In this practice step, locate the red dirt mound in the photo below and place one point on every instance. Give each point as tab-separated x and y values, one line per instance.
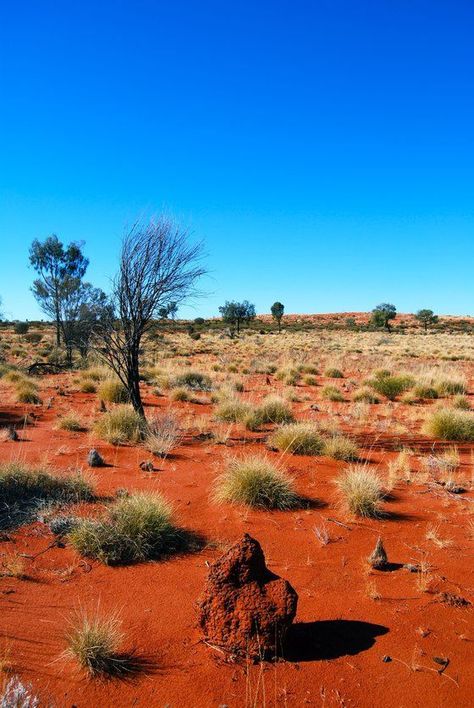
246	609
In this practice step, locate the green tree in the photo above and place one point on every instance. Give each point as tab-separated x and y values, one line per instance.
427	318
60	271
234	313
277	311
383	314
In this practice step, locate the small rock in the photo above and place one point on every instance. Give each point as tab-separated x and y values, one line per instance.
146	466
94	459
102	407
11	433
386	659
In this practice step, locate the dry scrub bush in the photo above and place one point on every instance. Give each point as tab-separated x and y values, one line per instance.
27	391
362	491
256	482
333	373
163	434
22	484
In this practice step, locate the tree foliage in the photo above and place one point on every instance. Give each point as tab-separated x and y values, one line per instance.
278	310
60	270
234	313
383	314
427	318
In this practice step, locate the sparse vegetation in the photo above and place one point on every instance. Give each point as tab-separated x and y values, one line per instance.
450	424
120	425
136	528
362	491
256	482
94	642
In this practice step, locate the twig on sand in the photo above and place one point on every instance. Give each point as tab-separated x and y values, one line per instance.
339	523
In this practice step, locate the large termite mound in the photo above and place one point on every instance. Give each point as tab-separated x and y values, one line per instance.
246	609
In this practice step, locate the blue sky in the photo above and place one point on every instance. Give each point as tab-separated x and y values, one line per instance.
322	149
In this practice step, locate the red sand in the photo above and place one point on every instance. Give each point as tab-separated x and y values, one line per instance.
331	661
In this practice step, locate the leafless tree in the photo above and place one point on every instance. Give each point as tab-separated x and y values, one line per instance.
158	265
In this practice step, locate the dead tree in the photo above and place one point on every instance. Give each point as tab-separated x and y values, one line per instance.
158	265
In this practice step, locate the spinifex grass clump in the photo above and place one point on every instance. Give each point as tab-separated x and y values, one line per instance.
256	482
332	393
366	395
120	425
232	410
27	391
23	488
340	448
94	642
194	380
272	409
333	373
450	424
298	438
71	421
113	391
362	491
136	528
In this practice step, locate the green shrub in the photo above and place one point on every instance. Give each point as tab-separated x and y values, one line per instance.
298	438
425	391
392	386
255	482
121	425
450	424
272	409
136	528
113	391
362	491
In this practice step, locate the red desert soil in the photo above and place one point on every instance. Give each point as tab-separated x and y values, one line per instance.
338	648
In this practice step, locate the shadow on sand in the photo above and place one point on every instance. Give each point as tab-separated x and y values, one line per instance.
330	639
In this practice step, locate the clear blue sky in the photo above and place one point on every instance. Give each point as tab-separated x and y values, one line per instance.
323	149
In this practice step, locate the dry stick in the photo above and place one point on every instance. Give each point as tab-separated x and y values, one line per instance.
35	555
339	523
